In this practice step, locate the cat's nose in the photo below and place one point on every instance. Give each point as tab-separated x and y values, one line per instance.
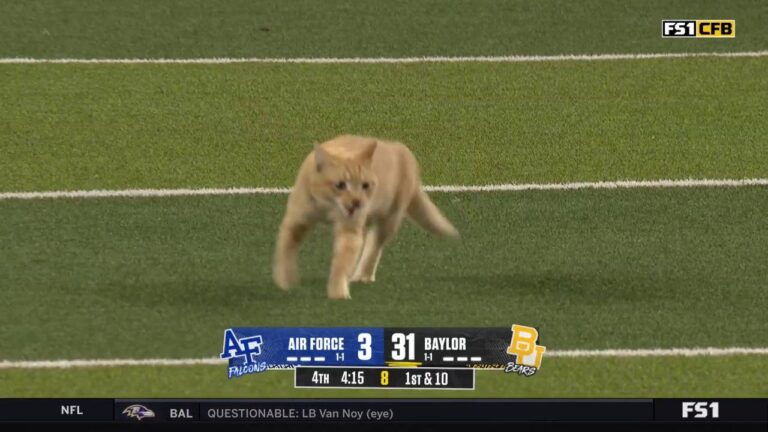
356	203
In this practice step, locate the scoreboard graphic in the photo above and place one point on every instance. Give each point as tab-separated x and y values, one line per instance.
373	357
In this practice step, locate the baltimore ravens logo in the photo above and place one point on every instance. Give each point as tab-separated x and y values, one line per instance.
138	411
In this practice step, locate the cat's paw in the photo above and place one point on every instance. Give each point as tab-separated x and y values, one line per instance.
363	278
340	296
338	293
285	276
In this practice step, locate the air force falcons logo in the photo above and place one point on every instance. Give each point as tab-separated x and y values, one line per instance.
242	354
138	412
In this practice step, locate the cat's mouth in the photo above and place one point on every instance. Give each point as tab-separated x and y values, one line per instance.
350	210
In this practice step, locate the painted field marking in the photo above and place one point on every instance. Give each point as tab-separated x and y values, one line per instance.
386	60
617	353
508	187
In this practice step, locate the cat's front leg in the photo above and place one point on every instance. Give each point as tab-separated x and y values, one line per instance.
285	271
346	250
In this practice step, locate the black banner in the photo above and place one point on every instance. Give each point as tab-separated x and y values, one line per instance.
385	410
448	346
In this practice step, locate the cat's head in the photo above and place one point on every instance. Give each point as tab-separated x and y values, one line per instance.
346	183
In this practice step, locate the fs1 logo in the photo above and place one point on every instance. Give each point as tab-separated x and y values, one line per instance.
698	28
245	349
701	410
527	353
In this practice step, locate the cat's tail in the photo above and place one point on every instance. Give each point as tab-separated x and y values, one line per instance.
425	213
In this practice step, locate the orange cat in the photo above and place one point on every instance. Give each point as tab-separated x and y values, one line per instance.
356	183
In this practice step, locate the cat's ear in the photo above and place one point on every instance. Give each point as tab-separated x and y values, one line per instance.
366	156
322	158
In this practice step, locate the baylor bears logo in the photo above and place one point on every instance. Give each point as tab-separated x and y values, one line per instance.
526	351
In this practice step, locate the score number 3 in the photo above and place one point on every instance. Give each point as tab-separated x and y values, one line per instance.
365	352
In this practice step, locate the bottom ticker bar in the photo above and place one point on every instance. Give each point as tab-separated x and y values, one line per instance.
646	411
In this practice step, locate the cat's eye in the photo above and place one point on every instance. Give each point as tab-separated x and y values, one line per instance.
341	185
366	185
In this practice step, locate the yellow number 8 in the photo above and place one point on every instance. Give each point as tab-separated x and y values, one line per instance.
384	377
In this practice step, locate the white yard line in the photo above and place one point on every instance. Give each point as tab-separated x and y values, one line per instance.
659	352
620	184
508	187
381	60
141	193
98	363
618	353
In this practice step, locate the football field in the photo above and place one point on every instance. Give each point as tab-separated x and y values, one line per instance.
140	198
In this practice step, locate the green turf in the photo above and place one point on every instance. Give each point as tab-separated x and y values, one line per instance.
145	278
148	278
341	28
618	377
96	126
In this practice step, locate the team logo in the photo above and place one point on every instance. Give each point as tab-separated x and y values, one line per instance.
698	28
524	346
138	412
242	354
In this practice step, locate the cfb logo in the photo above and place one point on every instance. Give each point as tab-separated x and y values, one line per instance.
698	28
701	410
